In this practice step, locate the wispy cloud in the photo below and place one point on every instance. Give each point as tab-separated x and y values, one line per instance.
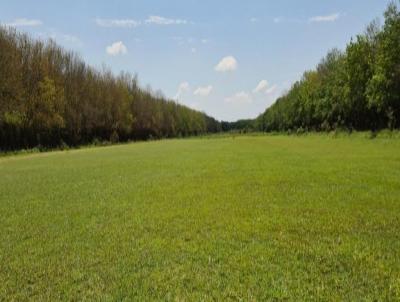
158	20
262	86
131	23
194	106
316	19
117	48
203	91
327	18
126	23
226	64
271	90
24	22
239	98
60	37
182	89
278	20
68	38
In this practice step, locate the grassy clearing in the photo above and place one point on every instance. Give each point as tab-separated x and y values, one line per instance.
251	218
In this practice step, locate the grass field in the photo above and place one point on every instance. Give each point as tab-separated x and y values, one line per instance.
245	218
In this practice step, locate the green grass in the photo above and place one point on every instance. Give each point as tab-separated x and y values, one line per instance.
250	218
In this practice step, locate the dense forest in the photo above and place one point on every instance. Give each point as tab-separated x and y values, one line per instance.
50	98
358	88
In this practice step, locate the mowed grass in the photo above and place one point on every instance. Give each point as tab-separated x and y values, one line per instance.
245	218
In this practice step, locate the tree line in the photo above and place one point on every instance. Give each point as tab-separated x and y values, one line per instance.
49	97
358	88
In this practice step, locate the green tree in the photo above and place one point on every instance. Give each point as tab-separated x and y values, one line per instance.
384	88
360	62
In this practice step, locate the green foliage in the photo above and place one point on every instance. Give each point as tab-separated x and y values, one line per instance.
384	87
240	125
260	218
357	89
50	97
15	119
359	68
47	108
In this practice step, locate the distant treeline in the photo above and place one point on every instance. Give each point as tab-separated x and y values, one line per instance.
358	88
49	97
240	125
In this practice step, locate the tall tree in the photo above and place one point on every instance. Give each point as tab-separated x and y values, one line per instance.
384	87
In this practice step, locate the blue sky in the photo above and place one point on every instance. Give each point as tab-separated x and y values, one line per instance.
230	59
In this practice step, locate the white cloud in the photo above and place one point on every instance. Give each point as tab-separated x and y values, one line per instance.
24	22
204	41
116	48
328	18
239	98
158	20
203	91
253	20
183	87
228	63
194	50
59	37
271	90
127	23
262	86
278	20
130	23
